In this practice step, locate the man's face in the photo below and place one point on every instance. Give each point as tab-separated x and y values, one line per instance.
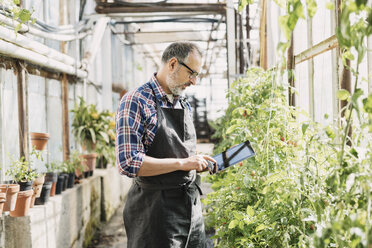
179	79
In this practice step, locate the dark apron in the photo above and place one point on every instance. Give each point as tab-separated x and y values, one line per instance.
165	210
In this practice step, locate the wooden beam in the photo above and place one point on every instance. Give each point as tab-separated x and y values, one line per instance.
207	8
317	49
64	86
263	36
22	111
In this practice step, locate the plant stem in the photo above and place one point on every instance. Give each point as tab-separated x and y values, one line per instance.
349	118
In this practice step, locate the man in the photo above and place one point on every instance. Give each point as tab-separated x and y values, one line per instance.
155	144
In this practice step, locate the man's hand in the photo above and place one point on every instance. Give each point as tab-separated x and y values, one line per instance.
196	162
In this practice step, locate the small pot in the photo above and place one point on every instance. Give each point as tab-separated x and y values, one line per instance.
60	182
24	186
45	193
23	203
65	182
89	162
11	191
38	185
2	202
52	177
39	140
71	179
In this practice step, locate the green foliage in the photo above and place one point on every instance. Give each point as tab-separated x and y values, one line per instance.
54	166
74	163
21	170
294	192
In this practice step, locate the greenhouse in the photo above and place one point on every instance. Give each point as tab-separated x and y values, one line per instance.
174	123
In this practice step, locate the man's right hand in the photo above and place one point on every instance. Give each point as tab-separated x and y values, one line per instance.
196	162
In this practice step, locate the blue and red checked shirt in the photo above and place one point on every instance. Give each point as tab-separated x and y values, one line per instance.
136	124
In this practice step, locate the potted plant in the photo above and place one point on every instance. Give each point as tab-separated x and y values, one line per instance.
106	147
52	176
71	166
88	127
22	173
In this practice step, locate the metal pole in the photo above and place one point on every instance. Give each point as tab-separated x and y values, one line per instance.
369	58
335	69
310	67
290	69
230	30
248	30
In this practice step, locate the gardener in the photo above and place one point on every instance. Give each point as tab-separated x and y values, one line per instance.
155	144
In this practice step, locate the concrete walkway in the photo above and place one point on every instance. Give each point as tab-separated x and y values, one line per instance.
112	234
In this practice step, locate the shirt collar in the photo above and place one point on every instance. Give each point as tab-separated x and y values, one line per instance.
159	91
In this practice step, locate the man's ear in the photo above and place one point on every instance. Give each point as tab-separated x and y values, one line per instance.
172	64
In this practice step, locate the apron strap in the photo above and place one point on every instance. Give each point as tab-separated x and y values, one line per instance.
186	186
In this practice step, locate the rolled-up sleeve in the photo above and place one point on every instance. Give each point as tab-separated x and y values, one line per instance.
129	130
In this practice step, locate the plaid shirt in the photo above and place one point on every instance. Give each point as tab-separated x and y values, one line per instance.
136	125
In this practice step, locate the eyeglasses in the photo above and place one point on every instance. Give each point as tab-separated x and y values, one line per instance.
193	74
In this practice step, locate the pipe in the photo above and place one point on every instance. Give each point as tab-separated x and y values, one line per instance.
15	51
24	28
25	42
98	33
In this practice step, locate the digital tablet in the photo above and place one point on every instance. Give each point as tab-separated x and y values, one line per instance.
231	156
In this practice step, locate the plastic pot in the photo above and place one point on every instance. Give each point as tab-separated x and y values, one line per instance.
52	177
39	140
24	186
23	203
71	179
65	181
45	193
11	191
60	182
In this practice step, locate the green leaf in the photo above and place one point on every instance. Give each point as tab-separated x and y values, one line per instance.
93	134
343	94
24	15
250	211
311	7
105	136
231	129
283	23
304	128
233	224
260	227
367	104
16	2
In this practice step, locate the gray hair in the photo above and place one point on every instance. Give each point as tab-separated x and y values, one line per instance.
180	51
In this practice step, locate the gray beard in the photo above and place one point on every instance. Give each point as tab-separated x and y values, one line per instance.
173	87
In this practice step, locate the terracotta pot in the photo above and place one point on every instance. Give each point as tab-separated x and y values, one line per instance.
32	202
2	201
39	140
88	145
11	191
38	185
89	162
23	203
